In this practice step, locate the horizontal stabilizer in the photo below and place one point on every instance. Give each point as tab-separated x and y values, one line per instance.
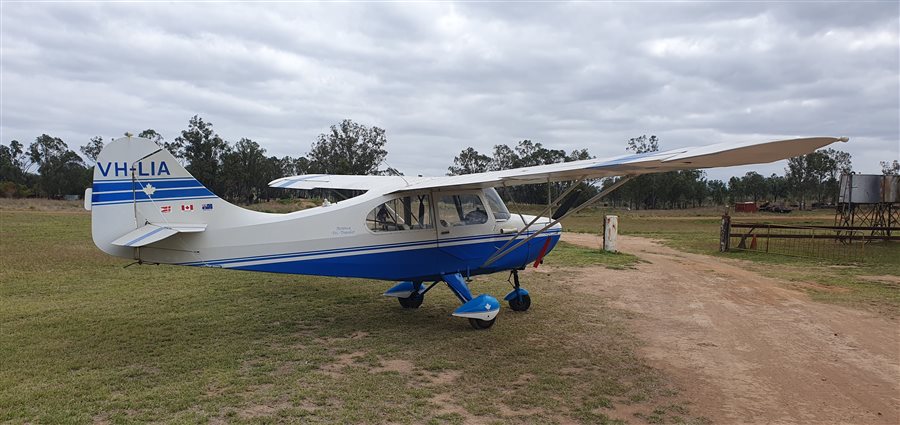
150	233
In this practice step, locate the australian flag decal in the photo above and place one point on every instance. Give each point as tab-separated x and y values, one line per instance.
207	207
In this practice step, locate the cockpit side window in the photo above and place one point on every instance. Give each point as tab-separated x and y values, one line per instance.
404	213
496	203
461	210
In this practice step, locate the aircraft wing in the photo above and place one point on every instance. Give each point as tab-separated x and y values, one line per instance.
711	156
719	155
149	233
333	181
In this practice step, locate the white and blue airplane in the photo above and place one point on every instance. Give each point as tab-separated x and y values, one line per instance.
418	231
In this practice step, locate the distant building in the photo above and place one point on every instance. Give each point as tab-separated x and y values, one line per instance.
745	207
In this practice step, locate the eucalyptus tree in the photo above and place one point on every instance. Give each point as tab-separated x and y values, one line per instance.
349	148
202	150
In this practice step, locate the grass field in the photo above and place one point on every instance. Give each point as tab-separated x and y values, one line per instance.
86	340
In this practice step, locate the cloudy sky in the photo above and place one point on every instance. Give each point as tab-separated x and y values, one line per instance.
440	77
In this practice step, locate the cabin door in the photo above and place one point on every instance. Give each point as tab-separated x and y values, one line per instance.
463	226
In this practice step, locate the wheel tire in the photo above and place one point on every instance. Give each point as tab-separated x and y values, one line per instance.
413	301
520	303
479	324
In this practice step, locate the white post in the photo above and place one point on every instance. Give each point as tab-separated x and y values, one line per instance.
610	232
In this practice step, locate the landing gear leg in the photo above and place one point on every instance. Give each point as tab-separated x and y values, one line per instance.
481	310
518	298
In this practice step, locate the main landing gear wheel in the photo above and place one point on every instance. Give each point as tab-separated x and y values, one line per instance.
412	301
482	324
520	303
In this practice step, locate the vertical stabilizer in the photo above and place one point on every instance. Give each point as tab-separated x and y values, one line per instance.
136	183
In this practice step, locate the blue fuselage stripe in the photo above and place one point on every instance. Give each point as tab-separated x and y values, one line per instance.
418	264
337	251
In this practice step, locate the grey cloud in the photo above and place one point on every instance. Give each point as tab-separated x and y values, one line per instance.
441	77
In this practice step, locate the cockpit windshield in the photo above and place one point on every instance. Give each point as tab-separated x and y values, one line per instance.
497	205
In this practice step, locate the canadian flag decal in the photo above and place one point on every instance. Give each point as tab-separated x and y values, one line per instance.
189	207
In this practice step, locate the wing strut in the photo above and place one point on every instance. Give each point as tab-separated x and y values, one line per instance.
502	252
547	209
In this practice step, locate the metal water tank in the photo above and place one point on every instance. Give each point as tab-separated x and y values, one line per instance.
890	189
869	188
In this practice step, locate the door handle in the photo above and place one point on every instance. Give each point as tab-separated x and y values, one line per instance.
445	232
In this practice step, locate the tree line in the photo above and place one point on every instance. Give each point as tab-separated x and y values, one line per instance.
808	179
524	154
238	172
47	168
241	171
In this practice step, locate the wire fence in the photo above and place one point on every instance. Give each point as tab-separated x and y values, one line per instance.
833	243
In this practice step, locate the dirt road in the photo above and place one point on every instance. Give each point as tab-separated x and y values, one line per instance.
745	348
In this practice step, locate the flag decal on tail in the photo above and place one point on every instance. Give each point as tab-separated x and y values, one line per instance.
165	209
187	207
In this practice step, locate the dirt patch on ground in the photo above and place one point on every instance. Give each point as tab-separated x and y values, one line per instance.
396	365
333	340
745	348
262	410
446	377
341	361
447	406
